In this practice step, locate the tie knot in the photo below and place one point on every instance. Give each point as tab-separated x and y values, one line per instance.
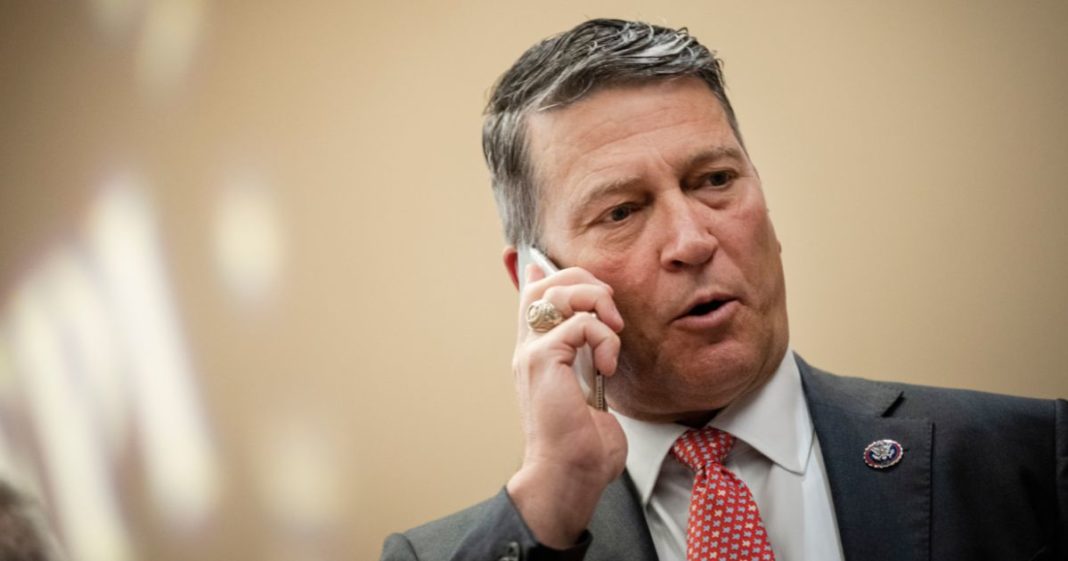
699	449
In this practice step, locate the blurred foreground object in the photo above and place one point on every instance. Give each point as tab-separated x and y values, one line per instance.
21	538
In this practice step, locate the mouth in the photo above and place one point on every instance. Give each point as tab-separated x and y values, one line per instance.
710	312
707	307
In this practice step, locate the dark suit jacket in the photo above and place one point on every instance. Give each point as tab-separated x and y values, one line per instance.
983	477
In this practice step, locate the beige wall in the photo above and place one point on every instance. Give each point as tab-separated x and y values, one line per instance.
913	155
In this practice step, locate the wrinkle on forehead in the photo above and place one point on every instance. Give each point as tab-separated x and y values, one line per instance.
554	137
561	139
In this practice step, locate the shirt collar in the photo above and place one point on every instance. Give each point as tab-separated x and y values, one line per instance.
773	420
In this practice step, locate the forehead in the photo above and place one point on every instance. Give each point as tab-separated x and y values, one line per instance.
626	131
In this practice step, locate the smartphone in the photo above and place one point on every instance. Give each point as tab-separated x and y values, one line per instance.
591	381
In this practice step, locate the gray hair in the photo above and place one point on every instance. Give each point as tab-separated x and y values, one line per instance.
563	69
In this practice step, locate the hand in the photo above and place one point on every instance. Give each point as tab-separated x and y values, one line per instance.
573	451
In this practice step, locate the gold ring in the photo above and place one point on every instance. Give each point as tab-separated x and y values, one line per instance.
543	316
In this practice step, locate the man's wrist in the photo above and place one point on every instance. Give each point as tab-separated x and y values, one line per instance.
554	504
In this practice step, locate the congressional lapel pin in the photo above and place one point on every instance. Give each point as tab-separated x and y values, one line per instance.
884	453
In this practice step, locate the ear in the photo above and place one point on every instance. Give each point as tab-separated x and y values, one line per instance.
511	264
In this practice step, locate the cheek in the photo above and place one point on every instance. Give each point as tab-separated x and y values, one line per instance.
641	337
632	287
754	248
765	269
753	235
610	266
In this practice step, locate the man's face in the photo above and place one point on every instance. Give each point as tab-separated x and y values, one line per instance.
648	188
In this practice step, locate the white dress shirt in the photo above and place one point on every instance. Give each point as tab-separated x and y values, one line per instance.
776	454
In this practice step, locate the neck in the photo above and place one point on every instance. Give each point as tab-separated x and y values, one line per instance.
697	420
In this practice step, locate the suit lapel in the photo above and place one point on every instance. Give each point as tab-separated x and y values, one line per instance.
618	526
881	514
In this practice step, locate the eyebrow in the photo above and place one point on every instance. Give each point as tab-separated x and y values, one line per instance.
620	184
714	154
603	190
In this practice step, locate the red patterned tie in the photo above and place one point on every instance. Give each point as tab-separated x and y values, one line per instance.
724	521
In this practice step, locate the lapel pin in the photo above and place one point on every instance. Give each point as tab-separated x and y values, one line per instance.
882	454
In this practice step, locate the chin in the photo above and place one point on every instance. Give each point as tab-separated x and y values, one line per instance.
707	382
714	382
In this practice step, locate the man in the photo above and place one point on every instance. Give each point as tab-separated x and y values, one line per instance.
615	150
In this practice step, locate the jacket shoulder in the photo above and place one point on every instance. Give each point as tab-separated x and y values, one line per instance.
948	405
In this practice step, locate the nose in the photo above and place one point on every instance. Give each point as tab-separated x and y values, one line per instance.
689	240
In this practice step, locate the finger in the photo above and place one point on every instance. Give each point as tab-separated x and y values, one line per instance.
576	275
585	298
605	344
569	276
585	329
531	275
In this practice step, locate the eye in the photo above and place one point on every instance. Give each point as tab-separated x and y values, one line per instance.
620	213
720	179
